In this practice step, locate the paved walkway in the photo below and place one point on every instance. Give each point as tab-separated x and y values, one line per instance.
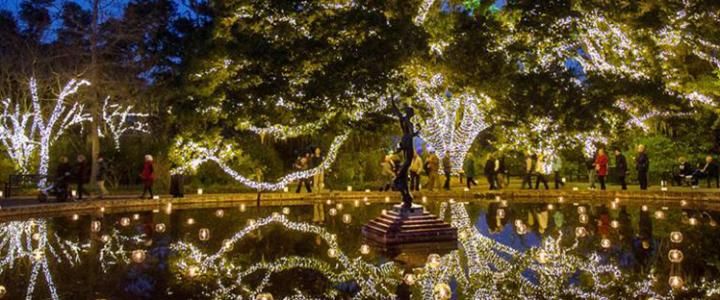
23	207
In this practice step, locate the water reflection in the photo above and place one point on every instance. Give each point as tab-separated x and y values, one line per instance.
506	250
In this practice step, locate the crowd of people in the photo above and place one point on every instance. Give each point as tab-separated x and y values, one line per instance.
78	173
538	170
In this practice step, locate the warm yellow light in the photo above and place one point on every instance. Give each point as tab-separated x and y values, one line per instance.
204	234
347	218
125	221
332	253
339	206
286	210
676	237
583	218
614	224
136	217
550	206
409	278
138	256
581	210
659	214
160	227
693	221
95	226
105	238
349	188
356	203
332	211
364	249
219	213
264	296
442	291
605	243
676	282
675	256
242	207
580	232
500	213
75	217
190	221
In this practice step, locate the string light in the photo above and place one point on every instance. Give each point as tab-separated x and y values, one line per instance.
119	120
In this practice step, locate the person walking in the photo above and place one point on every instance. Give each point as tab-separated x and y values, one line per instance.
302	164
540	172
319	177
557	165
432	167
101	177
591	171
489	171
388	173
529	168
81	173
621	167
469	169
416	168
710	171
447	169
642	165
601	165
62	179
148	176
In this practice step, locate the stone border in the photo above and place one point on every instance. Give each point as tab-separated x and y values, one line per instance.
696	200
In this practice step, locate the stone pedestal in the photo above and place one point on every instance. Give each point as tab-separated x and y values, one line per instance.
408	226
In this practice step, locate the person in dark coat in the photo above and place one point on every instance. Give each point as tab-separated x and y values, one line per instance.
621	167
62	179
469	168
81	172
642	165
489	171
447	168
684	170
148	176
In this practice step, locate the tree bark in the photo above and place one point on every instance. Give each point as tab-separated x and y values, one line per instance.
95	100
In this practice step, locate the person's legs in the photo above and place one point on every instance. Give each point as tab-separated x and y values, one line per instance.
500	180
545	182
468	180
300	183
308	187
591	178
602	182
431	181
447	181
622	182
101	188
642	177
537	181
490	181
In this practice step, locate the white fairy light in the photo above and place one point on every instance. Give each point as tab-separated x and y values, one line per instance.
441	128
220	155
119	120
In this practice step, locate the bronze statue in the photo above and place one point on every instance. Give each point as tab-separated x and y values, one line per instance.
406	146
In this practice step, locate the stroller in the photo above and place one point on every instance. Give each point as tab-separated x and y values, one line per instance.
59	189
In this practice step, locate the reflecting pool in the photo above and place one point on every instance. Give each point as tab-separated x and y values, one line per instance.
506	250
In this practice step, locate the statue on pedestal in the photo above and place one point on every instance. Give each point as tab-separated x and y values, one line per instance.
407	147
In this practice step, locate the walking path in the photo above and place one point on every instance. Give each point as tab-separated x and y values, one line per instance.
17	208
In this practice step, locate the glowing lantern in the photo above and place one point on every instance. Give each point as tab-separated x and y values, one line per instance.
550	206
433	260
156	197
168	208
349	188
286	189
339	206
328	202
95	226
190	221
561	199
204	234
160	227
683	202
466	189
364	249
138	256
581	209
75	217
693	221
583	218
105	238
356	203
286	210
367	190
383	212
497	198
542	256
580	232
219	213
614	224
659	214
332	211
424	199
500	213
644	208
462	235
676	282
38	254
125	221
102	209
613	205
675	256
347	218
676	237
136	217
522	229
605	243
242	207
199	191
